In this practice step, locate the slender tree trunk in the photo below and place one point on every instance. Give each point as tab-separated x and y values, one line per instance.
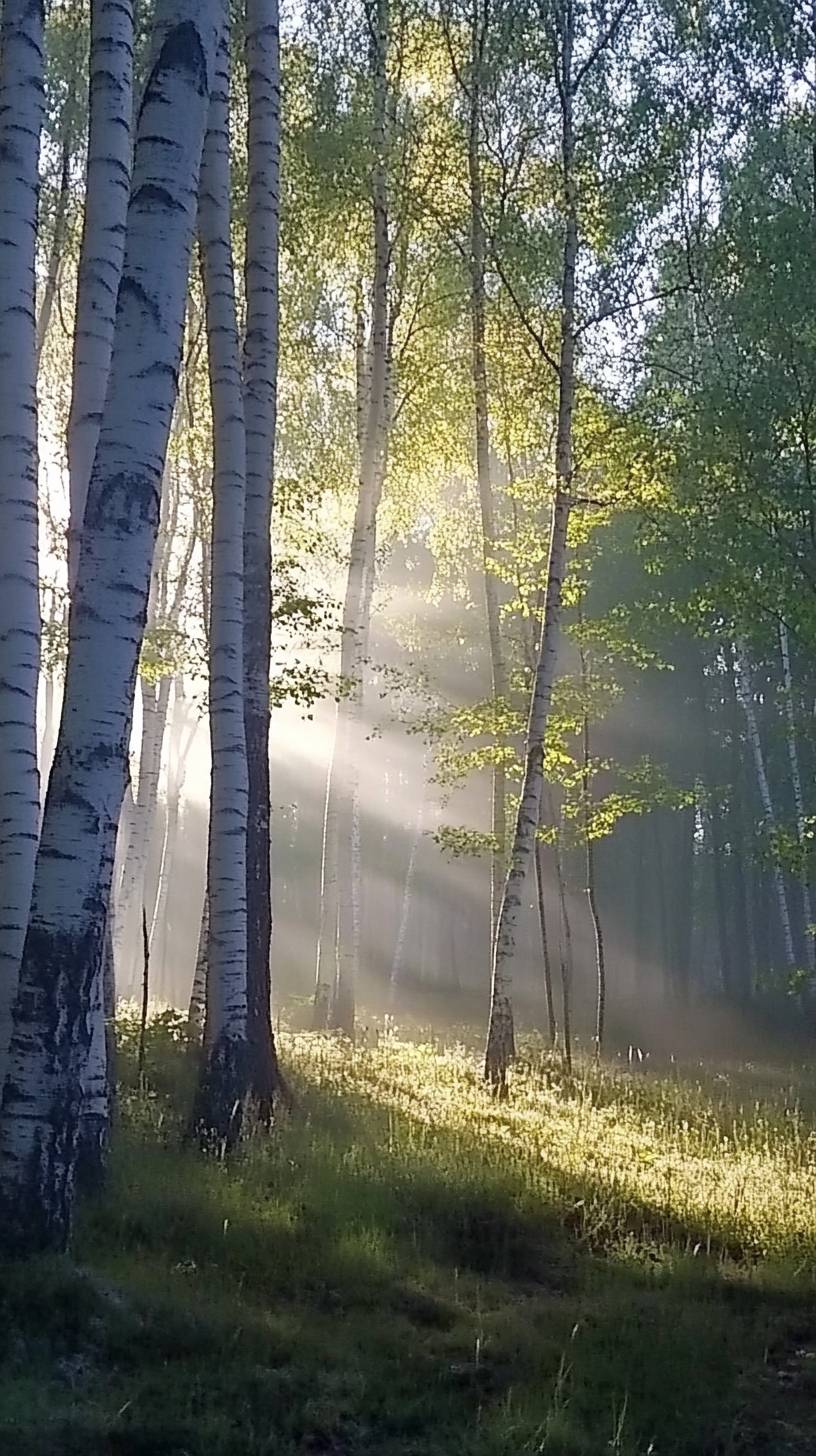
101	253
225	1069
798	796
260	406
66	934
155	705
348	744
196	1012
405	909
57	249
144	1004
589	852
742	678
566	956
21	117
498	671
545	945
500	1049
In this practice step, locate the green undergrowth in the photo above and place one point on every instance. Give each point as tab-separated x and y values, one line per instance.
614	1264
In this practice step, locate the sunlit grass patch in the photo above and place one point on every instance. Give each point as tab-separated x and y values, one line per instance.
408	1268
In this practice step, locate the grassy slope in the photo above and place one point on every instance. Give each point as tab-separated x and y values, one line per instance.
407	1267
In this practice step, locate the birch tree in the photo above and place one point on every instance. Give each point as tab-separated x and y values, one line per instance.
101	253
260	365
225	1069
745	693
340	937
21	119
66	933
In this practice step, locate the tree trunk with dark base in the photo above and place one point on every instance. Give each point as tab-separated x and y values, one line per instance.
67	926
260	407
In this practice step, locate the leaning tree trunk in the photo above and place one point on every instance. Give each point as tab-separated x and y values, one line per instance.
798	796
742	677
500	1049
260	410
498	670
64	944
225	1067
101	252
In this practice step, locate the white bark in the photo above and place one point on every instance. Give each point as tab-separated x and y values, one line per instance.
742	674
107	188
155	704
500	1048
407	896
21	115
348	744
64	945
498	669
223	1085
260	415
799	798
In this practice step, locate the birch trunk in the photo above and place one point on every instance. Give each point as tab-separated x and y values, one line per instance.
260	412
57	250
798	796
225	1069
545	944
498	671
742	678
197	1009
21	117
362	558
407	896
64	944
500	1049
589	861
155	705
101	253
566	956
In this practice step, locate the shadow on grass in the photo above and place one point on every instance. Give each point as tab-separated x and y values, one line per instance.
360	1285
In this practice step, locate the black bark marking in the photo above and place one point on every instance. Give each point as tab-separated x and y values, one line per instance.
181	51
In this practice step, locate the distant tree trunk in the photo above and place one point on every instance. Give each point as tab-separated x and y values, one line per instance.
740	850
144	1001
798	797
498	671
155	705
56	252
742	678
405	910
589	853
545	946
225	1069
21	117
361	571
260	411
566	957
500	1049
196	1012
66	934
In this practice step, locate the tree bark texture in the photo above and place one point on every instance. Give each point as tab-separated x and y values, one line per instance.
66	932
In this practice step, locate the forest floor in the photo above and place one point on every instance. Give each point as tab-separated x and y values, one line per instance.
619	1263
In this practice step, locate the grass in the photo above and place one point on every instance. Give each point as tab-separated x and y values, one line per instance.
407	1268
